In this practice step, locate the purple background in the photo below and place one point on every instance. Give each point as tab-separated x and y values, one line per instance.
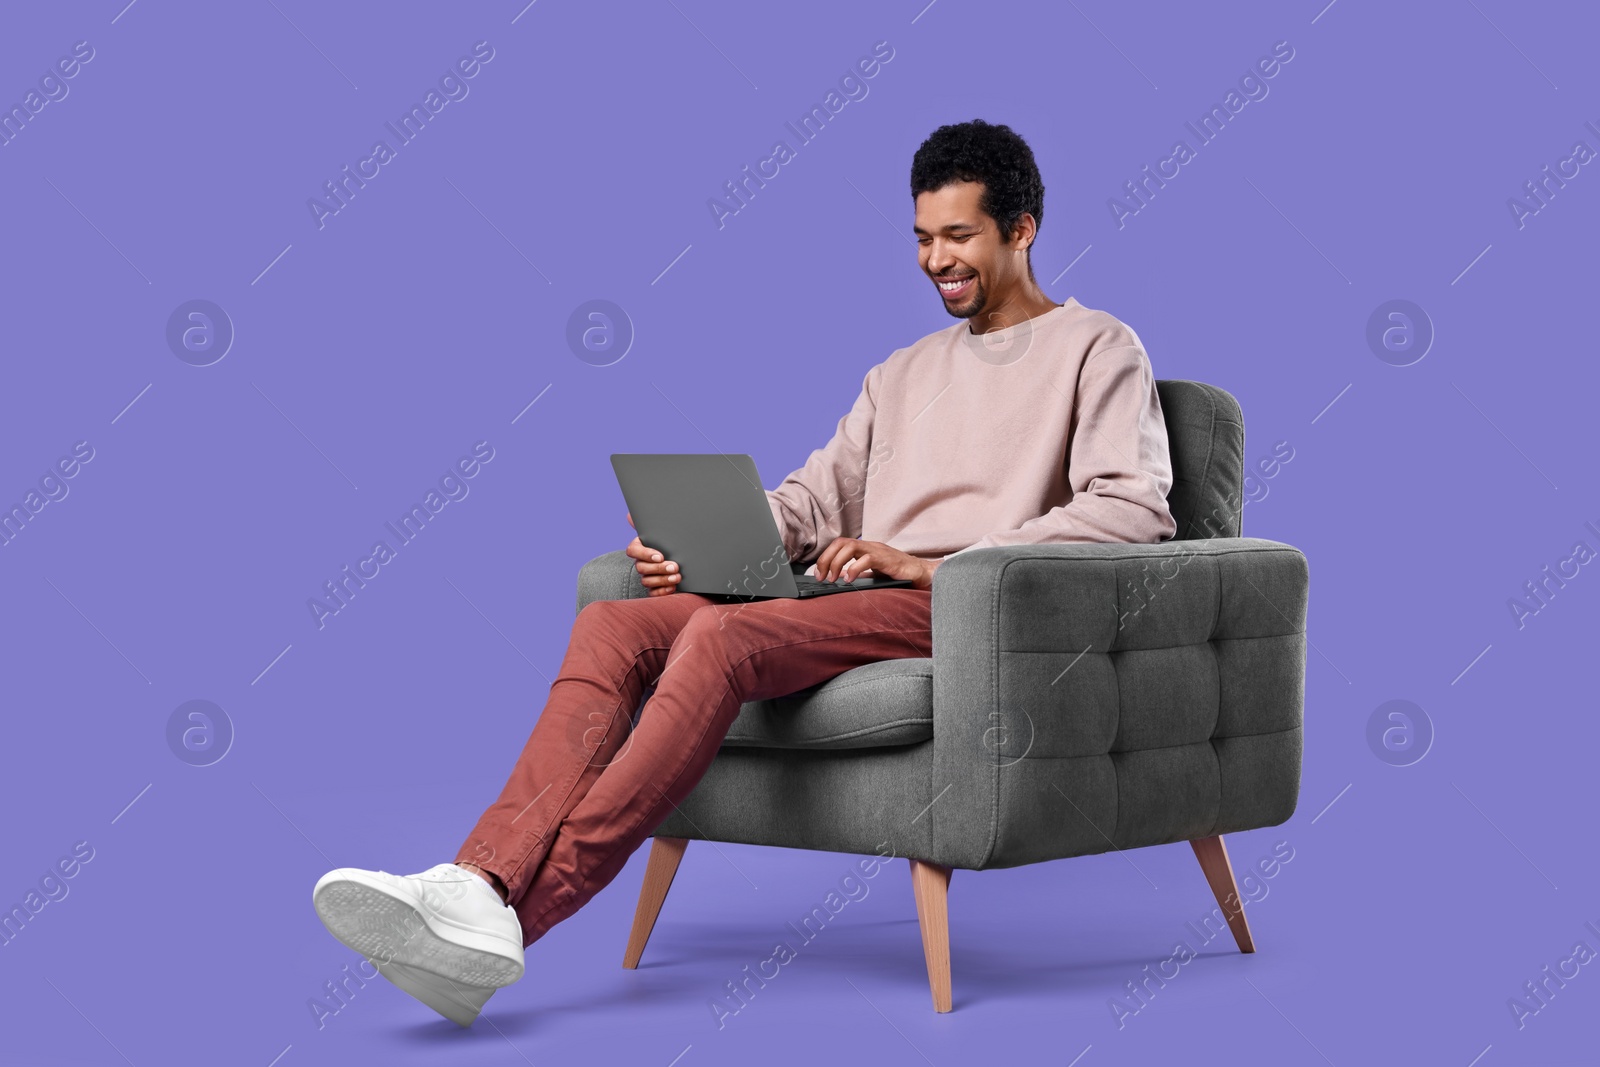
432	310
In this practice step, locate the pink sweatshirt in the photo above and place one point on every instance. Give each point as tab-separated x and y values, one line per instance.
1049	430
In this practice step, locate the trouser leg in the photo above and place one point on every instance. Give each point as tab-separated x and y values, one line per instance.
725	654
616	649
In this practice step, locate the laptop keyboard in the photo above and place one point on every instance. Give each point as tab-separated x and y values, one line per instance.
812	586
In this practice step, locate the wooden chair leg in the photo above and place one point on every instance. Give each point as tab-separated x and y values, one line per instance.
1213	857
931	884
665	854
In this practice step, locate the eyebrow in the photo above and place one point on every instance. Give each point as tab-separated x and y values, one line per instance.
952	227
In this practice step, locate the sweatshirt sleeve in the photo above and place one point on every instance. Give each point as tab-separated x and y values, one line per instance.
1117	461
823	500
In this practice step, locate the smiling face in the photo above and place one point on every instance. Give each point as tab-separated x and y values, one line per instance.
960	248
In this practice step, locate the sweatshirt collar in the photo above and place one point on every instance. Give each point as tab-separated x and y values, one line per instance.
997	338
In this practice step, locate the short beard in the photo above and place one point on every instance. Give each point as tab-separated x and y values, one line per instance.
978	302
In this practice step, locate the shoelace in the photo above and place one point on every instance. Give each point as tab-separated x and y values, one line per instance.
445	872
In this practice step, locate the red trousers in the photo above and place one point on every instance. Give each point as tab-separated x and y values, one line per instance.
590	786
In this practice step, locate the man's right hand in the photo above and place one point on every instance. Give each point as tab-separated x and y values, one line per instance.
658	575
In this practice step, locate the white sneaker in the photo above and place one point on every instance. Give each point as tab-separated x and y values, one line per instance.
442	935
456	1001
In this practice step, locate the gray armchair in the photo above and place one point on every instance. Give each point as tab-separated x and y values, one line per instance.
1080	698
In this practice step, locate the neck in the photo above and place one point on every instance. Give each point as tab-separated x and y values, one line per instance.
1026	302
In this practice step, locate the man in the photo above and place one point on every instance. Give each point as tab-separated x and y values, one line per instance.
1026	422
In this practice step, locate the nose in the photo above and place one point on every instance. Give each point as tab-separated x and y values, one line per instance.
939	257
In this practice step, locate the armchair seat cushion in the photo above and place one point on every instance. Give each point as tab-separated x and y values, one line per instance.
876	705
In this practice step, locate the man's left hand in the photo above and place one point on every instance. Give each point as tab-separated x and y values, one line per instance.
850	557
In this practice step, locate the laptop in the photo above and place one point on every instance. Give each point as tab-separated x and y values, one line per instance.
707	513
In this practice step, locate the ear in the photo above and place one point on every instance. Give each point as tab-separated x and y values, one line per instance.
1024	231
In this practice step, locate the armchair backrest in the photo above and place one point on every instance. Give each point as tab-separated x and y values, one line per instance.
1205	435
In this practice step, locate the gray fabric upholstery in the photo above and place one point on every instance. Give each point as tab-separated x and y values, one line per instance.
1205	435
609	577
1081	697
873	706
1148	693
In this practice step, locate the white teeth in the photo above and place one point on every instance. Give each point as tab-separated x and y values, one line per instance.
958	283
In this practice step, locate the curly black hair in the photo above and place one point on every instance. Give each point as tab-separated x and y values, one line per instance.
982	152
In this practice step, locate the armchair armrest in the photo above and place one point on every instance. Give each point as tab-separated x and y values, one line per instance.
609	577
1097	696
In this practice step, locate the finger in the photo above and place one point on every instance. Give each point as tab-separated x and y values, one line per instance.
642	552
851	568
846	557
828	562
836	566
822	562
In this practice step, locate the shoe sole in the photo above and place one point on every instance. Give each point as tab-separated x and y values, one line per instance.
456	1001
383	925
